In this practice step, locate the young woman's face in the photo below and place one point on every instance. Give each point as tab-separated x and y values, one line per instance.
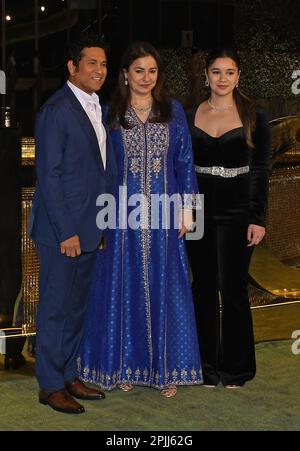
223	76
142	75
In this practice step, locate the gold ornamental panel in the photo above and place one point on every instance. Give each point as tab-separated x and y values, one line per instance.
28	151
30	264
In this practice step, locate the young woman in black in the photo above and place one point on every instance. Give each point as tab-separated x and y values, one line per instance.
231	150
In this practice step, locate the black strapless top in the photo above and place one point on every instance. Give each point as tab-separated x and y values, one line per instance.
241	198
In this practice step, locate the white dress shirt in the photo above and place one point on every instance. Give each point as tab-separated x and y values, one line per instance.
91	105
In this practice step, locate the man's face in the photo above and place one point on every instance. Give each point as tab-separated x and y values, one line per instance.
91	71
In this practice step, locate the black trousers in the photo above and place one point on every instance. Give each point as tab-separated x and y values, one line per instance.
220	263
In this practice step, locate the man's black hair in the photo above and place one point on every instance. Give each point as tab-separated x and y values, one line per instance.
85	40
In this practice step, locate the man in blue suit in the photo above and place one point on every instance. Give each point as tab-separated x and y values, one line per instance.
74	165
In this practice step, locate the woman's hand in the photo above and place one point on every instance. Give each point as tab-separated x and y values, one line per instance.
186	222
255	234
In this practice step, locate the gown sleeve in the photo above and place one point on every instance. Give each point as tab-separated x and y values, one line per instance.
184	161
259	170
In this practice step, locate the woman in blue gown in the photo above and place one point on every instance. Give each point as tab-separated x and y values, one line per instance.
140	327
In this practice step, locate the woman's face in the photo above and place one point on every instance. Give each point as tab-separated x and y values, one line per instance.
142	75
223	76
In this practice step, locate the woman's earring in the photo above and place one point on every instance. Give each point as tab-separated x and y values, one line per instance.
126	82
237	85
207	83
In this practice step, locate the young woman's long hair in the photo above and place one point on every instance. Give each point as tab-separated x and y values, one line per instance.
245	105
161	110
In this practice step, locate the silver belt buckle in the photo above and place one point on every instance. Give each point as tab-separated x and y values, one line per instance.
217	170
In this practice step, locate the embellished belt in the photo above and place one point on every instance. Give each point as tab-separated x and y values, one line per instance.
221	171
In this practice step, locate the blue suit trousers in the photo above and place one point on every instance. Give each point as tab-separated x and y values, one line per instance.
64	293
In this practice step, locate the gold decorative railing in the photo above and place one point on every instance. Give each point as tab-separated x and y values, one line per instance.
30	266
28	151
30	263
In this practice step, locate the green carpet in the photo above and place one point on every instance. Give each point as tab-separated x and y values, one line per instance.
270	402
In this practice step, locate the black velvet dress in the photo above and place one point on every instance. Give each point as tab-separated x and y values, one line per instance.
220	260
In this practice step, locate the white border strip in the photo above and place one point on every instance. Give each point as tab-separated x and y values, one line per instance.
275	305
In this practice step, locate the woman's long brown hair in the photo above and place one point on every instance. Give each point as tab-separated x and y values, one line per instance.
161	110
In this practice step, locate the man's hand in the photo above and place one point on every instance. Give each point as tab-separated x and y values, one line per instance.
255	234
71	247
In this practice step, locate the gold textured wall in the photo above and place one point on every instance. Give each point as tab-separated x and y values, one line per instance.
30	266
30	263
283	237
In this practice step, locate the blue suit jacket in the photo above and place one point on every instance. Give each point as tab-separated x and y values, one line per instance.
70	174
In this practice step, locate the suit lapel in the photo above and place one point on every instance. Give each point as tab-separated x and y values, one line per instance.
85	124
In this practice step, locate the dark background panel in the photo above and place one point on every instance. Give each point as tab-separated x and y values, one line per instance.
10	222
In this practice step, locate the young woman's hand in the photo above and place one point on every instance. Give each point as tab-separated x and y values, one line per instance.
255	234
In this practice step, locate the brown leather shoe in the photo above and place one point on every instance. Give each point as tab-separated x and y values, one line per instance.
61	401
79	390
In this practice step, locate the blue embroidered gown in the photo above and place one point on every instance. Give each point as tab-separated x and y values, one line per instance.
140	324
